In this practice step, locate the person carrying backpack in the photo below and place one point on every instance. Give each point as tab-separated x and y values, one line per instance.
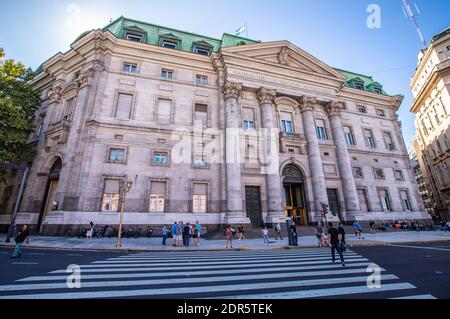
20	238
336	243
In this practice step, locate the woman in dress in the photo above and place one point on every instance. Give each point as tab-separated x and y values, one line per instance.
229	234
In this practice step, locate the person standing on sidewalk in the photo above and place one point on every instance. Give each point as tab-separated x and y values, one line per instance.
372	226
180	238
240	232
278	231
341	231
20	238
186	235
265	233
319	234
336	243
229	235
293	231
199	232
174	234
165	233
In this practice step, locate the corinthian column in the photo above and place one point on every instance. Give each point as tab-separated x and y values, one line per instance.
315	160
235	212
345	168
275	203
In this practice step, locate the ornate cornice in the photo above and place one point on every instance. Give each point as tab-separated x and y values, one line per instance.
334	108
232	90
55	94
266	96
307	103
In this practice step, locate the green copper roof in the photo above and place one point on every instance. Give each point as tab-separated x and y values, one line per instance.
440	34
186	40
367	81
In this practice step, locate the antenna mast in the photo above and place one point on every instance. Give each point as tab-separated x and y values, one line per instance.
409	14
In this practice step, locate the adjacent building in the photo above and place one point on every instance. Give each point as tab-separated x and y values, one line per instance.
431	89
218	131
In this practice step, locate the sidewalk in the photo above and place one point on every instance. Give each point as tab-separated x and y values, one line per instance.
154	244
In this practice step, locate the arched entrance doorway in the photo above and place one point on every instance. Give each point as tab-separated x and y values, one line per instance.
294	195
49	203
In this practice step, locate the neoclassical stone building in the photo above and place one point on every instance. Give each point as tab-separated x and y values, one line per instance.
221	131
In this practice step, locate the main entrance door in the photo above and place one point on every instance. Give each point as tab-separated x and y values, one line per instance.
48	203
333	202
253	205
294	195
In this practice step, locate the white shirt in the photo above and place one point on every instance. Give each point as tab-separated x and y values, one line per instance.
265	232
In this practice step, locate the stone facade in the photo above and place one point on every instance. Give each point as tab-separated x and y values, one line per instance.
263	123
431	89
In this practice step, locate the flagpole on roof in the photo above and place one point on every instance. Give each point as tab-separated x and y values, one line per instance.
246	30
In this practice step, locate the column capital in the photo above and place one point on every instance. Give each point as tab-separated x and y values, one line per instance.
87	76
307	103
231	89
266	96
55	94
334	108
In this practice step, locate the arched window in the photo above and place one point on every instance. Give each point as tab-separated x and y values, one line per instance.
55	170
293	173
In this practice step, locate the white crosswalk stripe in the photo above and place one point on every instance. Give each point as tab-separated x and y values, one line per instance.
267	274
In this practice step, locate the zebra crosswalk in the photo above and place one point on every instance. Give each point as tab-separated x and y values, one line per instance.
291	274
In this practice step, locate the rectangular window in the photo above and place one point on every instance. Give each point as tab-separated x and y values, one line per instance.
388	141
116	155
359	86
199	198
130	68
368	136
286	123
248	116
123	110
357	172
362	109
164	111
169	44
201	115
348	135
321	130
201	79
385	201
398	175
160	158
406	202
157	196
110	201
424	127
134	37
364	203
436	116
68	109
167	74
380	112
200	161
203	51
379	174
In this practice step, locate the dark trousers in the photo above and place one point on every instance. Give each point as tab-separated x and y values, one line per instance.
164	239
294	240
336	248
186	240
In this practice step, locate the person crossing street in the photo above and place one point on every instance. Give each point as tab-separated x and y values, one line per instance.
20	239
336	243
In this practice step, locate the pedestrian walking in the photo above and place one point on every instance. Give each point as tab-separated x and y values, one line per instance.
341	231
199	232
195	236
336	243
229	235
372	227
278	231
90	231
174	234
358	230
165	234
265	233
240	231
319	234
21	236
294	234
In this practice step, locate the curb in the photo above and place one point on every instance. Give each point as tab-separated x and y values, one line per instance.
100	249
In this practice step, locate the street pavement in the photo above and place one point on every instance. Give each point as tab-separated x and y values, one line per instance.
405	272
154	244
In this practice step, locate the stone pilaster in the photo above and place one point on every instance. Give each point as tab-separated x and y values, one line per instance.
307	105
345	168
275	204
235	212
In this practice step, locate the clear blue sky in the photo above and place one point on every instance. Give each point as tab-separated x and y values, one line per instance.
334	31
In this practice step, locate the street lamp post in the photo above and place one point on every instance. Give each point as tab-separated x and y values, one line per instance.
124	187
